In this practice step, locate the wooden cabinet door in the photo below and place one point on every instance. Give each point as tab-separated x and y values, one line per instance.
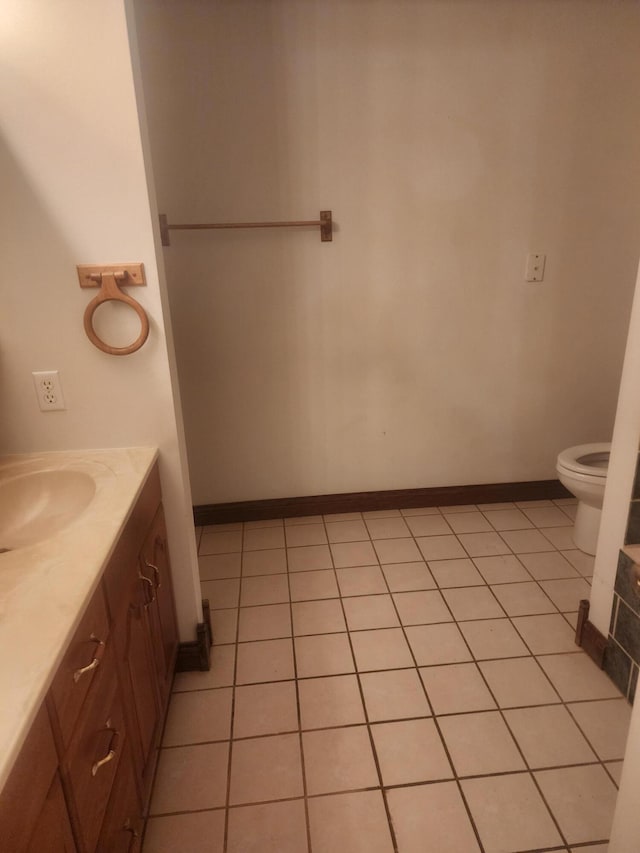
52	831
123	822
156	573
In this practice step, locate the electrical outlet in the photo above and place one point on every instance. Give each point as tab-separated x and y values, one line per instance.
48	390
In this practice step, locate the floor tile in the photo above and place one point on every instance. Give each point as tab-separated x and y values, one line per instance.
262	538
381	649
450	510
328	654
431	819
576	677
547	565
264	522
606	725
410	751
394	694
437	644
483	544
440	547
265	768
480	743
298	535
456	688
507	519
223	661
265	709
472	603
198	832
267	589
567	594
493	638
370	611
200	716
266	622
303	519
387	528
615	771
381	513
502	568
402	577
353	554
267	660
528	504
347	531
338	760
525	541
349	823
307	586
582	562
428	525
523	599
460	572
268	828
221	594
190	778
510	813
546	634
548	737
219	566
224	624
422	608
582	800
309	558
318	617
518	682
546	516
271	562
420	510
343	516
396	550
560	537
469	522
331	701
220	543
361	580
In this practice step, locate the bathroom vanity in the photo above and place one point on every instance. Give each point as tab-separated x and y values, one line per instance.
88	642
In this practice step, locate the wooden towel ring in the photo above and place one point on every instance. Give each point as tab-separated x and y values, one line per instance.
107	280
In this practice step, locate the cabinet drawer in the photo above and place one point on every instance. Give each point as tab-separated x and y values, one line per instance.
92	759
80	665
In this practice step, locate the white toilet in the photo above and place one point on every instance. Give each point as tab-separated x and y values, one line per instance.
583	470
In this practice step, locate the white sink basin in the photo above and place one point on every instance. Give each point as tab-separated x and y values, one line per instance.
38	504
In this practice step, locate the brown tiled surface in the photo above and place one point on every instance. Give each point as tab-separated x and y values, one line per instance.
401	681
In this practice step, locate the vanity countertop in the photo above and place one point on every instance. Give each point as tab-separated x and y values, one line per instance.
45	587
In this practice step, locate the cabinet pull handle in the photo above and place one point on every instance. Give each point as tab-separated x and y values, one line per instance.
113	748
95	663
156	572
153	589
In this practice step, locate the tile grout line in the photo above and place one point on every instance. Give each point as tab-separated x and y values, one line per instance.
392	832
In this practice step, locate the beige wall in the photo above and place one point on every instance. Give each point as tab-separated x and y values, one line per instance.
74	191
450	139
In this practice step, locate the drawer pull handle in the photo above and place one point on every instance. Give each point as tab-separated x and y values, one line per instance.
156	572
95	663
153	589
111	754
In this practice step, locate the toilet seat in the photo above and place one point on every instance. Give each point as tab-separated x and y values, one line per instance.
589	459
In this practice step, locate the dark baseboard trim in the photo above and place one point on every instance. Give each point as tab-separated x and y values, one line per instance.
588	637
196	654
531	490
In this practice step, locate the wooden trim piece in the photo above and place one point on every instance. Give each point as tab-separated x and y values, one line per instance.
196	654
588	637
364	501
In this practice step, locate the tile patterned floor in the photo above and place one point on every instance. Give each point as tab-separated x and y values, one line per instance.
392	681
